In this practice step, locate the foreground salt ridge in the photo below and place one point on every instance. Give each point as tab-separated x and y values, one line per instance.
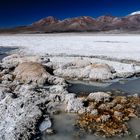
78	68
25	101
121	69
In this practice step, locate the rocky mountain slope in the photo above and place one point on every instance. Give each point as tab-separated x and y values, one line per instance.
51	24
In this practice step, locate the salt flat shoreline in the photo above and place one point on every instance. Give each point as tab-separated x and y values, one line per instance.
116	46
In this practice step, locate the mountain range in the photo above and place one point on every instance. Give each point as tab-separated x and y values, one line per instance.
106	23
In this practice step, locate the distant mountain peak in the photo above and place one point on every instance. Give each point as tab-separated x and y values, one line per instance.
105	18
135	13
46	21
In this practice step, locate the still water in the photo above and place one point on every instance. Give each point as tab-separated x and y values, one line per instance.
127	86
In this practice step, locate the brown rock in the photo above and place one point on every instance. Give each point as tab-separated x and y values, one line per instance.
31	72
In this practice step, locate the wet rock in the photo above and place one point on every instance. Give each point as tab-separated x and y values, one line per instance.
28	72
99	96
45	125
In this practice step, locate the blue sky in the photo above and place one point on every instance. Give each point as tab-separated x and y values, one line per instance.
22	12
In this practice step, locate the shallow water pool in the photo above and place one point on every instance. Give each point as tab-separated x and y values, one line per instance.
131	86
64	123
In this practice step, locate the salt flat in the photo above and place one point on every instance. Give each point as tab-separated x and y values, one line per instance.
116	46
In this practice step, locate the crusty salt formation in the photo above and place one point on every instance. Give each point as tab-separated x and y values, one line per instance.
110	118
77	70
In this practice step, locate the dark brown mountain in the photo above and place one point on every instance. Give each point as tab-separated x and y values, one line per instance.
81	24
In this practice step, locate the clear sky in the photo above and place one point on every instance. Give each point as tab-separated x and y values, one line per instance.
23	12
